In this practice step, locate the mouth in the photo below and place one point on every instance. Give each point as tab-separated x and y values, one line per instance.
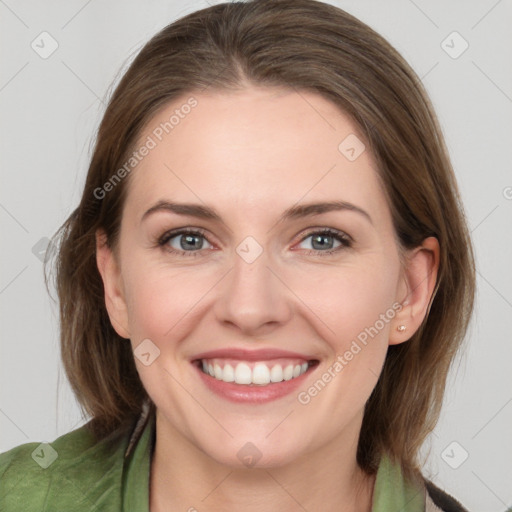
257	376
260	373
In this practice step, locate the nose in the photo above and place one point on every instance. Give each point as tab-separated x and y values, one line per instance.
253	297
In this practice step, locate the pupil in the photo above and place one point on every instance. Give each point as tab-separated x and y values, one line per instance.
190	239
322	237
193	240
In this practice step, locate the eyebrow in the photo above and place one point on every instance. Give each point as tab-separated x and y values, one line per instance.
294	212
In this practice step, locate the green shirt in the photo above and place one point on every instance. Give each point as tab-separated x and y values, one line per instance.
76	473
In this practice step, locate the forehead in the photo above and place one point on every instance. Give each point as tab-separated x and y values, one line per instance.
258	148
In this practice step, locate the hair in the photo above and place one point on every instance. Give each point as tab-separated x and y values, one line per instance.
302	45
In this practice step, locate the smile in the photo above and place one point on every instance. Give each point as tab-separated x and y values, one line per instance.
259	373
254	376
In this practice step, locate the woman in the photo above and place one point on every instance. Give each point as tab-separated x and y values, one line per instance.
265	282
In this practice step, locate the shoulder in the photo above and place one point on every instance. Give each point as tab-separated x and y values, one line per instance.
439	500
74	470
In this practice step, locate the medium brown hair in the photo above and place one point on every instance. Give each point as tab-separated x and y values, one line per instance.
302	45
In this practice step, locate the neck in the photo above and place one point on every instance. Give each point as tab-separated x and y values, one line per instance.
327	479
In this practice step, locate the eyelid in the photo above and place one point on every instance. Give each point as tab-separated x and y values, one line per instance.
345	239
167	235
326	230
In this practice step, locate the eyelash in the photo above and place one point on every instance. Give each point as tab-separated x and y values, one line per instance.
346	241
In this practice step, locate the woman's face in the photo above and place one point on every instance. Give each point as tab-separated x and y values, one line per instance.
257	290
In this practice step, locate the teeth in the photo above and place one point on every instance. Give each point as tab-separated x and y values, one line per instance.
288	372
217	371
243	374
276	374
228	374
260	374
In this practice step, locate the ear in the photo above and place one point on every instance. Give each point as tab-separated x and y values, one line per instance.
114	293
416	287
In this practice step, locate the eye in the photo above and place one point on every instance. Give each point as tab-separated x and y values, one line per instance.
190	242
186	242
324	241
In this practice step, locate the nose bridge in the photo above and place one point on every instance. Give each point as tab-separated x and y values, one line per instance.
252	295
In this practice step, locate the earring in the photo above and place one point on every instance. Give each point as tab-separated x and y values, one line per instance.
401	328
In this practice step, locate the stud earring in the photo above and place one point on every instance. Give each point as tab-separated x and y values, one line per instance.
401	328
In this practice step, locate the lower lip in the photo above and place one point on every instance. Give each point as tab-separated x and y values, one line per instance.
244	393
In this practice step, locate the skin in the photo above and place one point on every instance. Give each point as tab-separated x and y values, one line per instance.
250	155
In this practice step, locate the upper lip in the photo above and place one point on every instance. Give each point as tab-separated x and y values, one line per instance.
262	354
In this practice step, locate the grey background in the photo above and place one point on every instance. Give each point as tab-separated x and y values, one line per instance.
50	108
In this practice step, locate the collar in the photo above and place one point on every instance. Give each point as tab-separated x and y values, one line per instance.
393	492
145	416
137	462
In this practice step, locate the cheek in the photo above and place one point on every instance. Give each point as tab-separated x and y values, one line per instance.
161	300
356	305
351	299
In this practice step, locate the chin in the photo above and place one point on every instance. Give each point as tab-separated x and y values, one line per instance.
254	451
